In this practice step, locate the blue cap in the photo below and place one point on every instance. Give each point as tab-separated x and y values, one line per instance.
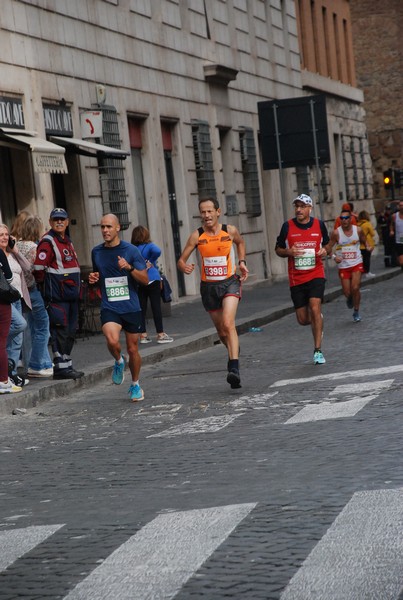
58	213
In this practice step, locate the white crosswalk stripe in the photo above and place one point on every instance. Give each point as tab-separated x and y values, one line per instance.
17	542
360	556
340	376
334	409
162	556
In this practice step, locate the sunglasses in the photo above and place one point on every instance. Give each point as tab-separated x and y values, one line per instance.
345	218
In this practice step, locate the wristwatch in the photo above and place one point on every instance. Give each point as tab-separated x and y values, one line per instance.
131	269
242	260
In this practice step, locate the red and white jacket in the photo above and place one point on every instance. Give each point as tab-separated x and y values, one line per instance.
56	267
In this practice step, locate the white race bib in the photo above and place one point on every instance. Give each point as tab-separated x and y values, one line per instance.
305	261
348	254
117	288
215	268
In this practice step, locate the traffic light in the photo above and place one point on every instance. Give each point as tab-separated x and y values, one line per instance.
398	177
388	179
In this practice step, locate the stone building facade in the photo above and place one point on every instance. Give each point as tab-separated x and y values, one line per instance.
378	46
141	108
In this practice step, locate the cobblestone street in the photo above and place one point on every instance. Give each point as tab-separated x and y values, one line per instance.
287	487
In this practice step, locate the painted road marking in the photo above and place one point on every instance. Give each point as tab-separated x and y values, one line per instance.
17	542
365	386
360	556
257	401
327	410
162	556
336	410
340	375
207	425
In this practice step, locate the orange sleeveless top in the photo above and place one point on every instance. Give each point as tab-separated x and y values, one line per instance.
217	254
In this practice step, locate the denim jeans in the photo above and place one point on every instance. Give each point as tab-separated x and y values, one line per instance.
35	351
15	335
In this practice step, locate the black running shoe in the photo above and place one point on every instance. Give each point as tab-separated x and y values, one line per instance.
17	380
234	379
67	374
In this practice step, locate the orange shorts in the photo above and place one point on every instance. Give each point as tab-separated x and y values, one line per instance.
346	273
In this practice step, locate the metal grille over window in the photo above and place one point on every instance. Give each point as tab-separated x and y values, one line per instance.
302	174
203	160
111	171
364	169
250	172
345	166
354	165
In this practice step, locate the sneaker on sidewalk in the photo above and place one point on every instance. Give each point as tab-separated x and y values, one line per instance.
318	358
234	379
356	316
349	302
67	374
118	374
145	340
9	387
40	373
136	393
164	339
19	381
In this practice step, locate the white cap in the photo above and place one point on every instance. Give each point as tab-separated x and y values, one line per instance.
303	198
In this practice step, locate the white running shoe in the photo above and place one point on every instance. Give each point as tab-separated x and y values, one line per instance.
9	387
164	339
40	372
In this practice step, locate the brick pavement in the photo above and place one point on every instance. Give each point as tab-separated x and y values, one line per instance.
263	302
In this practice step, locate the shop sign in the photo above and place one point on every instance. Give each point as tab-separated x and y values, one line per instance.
91	124
58	120
11	114
49	163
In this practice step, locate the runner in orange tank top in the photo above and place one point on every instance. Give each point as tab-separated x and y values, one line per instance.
220	286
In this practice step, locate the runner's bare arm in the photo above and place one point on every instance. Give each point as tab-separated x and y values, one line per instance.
241	251
334	238
190	246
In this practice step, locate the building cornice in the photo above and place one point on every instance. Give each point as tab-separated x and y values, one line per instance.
318	83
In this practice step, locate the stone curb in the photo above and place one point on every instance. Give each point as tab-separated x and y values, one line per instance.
199	341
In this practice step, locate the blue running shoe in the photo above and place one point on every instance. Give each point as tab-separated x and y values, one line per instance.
318	358
136	393
349	302
118	374
356	316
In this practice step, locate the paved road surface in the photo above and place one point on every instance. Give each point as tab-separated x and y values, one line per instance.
291	487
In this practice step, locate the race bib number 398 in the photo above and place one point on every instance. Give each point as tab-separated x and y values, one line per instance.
117	288
215	268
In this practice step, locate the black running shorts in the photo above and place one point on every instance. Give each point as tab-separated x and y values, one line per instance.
213	292
130	322
300	294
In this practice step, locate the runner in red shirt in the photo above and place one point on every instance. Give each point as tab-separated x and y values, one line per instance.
302	241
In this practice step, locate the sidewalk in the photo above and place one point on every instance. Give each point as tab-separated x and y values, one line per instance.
191	328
